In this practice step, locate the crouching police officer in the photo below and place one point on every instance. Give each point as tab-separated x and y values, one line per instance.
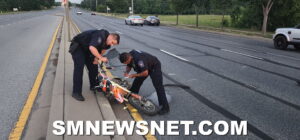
86	49
145	64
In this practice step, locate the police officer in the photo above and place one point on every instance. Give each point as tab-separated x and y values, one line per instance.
145	64
86	49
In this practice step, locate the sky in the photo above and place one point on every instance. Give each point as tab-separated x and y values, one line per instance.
73	1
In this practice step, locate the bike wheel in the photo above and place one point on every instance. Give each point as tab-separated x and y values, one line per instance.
144	105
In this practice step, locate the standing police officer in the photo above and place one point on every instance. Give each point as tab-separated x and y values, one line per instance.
86	49
145	64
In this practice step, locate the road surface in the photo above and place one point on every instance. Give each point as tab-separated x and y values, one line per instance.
229	77
24	38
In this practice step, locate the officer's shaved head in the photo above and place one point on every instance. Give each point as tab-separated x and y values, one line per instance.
125	58
115	37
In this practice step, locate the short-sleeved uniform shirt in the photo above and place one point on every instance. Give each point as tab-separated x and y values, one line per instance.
96	38
142	61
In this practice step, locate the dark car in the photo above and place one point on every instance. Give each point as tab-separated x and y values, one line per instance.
93	13
152	20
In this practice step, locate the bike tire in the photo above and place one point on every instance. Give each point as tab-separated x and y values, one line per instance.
144	106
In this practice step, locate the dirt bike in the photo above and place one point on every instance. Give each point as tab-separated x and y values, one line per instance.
117	89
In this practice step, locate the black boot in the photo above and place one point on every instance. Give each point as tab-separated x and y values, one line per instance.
96	89
165	109
78	96
92	88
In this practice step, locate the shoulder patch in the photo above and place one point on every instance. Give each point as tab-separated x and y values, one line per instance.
141	64
138	51
99	40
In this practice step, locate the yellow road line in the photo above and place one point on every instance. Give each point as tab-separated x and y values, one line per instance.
133	111
137	117
78	30
16	133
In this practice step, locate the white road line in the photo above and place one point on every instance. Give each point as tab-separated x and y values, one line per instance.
174	55
289	57
242	54
192	80
119	32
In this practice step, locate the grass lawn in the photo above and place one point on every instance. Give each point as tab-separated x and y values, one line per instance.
203	20
7	12
206	22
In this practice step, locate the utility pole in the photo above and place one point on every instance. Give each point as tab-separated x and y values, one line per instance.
91	5
68	18
96	4
132	6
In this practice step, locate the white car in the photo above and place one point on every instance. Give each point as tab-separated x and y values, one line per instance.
287	36
134	20
79	13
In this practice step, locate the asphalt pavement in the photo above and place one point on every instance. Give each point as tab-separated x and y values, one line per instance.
25	38
230	77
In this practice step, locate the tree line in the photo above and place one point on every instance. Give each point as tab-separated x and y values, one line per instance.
251	14
25	5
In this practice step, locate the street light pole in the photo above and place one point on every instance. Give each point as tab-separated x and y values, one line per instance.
132	6
96	4
68	18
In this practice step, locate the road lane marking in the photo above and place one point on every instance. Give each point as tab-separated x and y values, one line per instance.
16	133
192	80
242	54
119	32
174	55
289	57
133	111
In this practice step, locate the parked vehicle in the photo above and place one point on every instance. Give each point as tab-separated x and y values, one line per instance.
93	13
287	36
134	20
152	20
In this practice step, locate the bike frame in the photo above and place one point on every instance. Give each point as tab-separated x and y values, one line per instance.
108	86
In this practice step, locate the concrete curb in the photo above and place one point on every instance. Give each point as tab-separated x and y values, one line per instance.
62	103
57	101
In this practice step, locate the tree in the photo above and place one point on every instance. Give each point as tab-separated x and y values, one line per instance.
266	9
118	6
287	14
3	5
198	5
249	14
179	6
101	8
223	6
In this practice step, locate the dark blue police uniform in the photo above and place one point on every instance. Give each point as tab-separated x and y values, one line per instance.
143	61
82	56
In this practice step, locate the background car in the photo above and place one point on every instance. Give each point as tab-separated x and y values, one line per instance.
93	13
287	36
134	20
79	13
152	20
